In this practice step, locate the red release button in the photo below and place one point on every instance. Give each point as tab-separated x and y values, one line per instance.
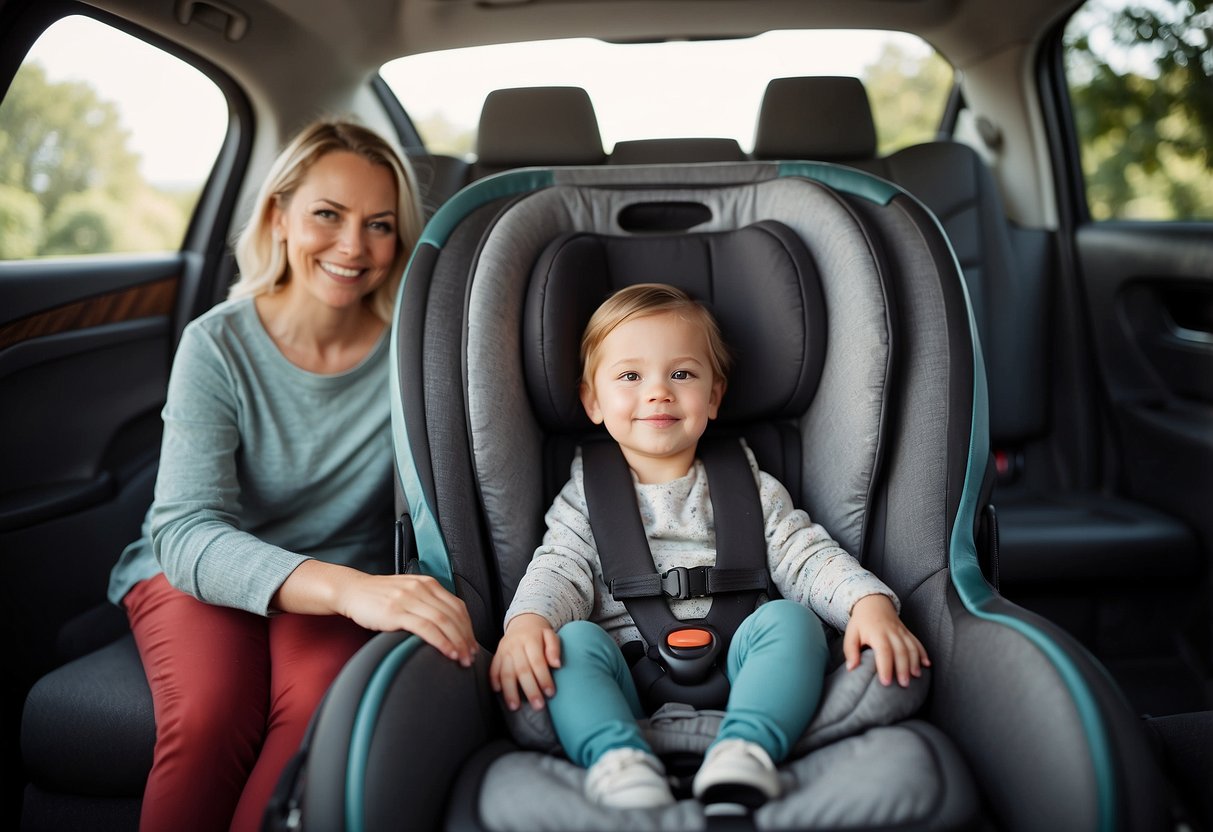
689	638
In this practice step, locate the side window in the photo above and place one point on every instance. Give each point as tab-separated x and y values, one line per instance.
1140	75
105	144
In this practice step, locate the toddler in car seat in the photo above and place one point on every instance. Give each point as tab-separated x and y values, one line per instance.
654	372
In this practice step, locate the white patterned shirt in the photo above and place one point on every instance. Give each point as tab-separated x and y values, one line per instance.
564	580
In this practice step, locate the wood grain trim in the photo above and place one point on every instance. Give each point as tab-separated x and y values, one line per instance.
143	301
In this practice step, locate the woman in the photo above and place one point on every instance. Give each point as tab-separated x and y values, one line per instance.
255	578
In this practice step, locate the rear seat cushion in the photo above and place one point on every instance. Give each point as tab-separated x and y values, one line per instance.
88	727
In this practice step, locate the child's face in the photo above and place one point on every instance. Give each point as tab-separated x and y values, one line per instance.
655	391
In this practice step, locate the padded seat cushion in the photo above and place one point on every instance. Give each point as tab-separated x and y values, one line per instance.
846	785
762	271
88	727
1085	537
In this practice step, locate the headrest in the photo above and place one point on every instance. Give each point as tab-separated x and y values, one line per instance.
538	126
675	151
821	118
759	281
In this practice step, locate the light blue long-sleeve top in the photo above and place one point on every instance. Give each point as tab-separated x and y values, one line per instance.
263	465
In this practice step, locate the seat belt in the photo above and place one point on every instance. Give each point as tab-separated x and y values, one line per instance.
680	666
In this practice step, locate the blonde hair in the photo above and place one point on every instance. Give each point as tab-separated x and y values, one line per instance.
262	259
641	301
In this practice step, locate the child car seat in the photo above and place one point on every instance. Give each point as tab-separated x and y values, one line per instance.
876	421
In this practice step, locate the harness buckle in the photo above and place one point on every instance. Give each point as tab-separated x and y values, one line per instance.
681	582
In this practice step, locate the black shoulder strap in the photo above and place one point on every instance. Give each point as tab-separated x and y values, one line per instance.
740	573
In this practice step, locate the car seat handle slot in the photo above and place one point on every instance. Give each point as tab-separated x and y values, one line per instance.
650	217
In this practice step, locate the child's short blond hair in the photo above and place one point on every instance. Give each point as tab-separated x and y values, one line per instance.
640	301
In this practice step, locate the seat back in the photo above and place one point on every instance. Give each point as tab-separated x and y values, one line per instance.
676	151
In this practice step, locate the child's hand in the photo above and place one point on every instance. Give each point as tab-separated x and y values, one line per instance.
874	623
522	661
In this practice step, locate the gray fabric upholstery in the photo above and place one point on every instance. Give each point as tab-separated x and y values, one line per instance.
674	151
527	126
842	426
825	118
900	362
846	785
1049	530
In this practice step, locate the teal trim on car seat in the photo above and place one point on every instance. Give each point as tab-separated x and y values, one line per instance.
976	593
363	729
847	180
431	546
508	183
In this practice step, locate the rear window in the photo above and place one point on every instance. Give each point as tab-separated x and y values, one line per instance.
676	89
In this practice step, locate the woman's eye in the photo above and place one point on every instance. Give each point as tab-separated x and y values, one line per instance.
325	213
383	227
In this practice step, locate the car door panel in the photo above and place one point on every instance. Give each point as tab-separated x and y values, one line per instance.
1149	287
83	369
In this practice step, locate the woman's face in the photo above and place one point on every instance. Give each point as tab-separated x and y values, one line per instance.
339	227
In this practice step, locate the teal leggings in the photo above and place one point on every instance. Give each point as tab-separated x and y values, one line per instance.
776	664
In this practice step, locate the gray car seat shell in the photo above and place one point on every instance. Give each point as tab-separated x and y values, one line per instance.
406	737
1055	527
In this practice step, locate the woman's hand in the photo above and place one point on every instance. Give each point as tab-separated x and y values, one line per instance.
415	603
874	623
529	648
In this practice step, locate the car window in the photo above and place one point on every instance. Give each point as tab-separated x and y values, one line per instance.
101	155
676	89
1140	75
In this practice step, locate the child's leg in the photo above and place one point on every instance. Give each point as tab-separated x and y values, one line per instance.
596	705
776	667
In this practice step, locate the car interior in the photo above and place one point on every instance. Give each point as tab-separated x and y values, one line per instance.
1092	336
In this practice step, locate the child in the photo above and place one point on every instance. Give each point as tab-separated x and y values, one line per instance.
654	368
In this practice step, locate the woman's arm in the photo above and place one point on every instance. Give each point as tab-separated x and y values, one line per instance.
414	603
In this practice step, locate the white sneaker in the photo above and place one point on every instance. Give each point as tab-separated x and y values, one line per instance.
628	778
736	771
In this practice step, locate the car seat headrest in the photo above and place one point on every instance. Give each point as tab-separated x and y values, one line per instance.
824	118
538	126
759	281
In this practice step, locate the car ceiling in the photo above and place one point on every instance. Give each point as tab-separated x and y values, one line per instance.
375	31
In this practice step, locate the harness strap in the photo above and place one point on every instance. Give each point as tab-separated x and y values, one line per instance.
740	573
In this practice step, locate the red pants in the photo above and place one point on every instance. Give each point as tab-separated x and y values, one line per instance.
233	694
